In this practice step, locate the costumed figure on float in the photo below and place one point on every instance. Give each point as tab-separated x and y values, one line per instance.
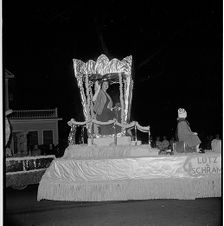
103	107
184	134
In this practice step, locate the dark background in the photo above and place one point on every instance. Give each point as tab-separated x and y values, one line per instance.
176	50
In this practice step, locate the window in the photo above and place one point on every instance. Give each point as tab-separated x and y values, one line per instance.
32	138
48	137
15	142
19	142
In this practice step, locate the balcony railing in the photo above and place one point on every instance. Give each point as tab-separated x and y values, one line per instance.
34	114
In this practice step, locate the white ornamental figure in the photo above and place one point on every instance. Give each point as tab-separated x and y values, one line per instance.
7	127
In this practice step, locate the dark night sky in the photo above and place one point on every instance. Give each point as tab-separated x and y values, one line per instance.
176	49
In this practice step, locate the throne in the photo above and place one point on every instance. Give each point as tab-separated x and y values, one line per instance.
115	72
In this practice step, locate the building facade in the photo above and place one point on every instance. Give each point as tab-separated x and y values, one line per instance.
29	128
32	128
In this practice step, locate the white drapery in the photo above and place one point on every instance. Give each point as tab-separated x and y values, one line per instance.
184	177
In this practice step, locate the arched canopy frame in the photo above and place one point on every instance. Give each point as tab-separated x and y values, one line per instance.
113	71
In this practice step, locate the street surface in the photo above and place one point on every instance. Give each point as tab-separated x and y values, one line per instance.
21	209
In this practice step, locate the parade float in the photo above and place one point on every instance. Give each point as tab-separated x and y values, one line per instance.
24	170
118	166
27	170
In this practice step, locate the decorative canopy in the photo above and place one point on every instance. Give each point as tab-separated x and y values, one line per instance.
102	66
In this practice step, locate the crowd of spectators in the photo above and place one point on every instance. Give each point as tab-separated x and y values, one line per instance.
163	143
210	142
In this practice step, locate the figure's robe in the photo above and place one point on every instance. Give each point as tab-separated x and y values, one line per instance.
100	102
102	108
185	134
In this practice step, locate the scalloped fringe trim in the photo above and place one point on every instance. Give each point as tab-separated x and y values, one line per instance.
131	190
